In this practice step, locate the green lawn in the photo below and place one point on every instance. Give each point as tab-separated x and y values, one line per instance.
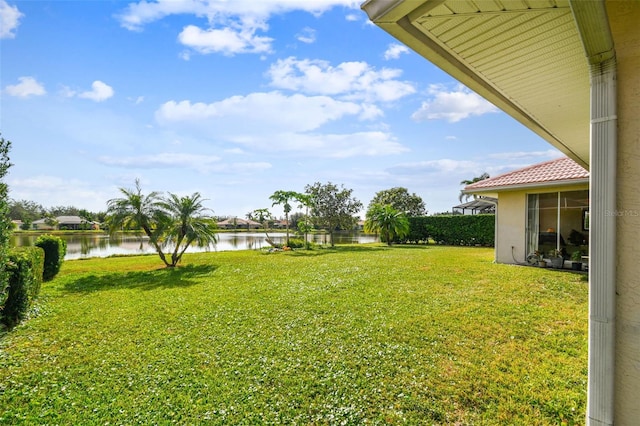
359	334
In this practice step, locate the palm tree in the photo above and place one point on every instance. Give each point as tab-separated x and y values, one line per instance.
305	201
138	211
466	182
387	221
187	223
283	197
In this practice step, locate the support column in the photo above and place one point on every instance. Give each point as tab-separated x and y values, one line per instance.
602	245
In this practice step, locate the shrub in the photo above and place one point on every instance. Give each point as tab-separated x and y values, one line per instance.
54	250
24	268
6	226
467	230
296	243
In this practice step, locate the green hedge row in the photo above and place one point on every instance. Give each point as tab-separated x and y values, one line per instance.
24	267
27	268
466	230
54	250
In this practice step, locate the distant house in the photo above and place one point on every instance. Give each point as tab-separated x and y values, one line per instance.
41	225
539	208
238	223
280	224
72	223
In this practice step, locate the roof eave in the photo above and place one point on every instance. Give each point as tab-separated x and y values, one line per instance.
393	17
532	185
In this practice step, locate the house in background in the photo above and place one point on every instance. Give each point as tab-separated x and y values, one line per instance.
539	208
71	223
238	223
568	71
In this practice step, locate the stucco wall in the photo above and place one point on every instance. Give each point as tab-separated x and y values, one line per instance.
511	227
624	18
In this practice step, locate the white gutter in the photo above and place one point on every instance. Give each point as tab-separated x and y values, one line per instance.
593	25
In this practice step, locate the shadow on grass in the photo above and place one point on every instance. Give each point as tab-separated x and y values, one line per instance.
145	280
320	251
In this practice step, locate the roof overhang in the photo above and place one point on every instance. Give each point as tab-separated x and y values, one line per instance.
529	186
527	57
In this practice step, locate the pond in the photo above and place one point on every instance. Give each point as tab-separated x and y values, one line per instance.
80	246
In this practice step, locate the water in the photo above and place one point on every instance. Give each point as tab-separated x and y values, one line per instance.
80	246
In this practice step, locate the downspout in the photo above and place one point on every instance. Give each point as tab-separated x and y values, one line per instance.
593	24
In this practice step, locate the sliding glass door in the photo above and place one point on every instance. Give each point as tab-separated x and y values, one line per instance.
556	220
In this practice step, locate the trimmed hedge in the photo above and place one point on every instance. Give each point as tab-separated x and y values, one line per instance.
24	268
54	250
465	230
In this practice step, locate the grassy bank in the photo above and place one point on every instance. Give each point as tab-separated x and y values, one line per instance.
406	335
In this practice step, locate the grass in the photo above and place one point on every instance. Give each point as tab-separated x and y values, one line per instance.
353	335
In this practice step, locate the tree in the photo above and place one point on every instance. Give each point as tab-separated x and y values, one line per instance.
170	221
138	211
400	199
187	223
332	207
303	223
466	182
261	215
283	198
387	221
6	226
25	210
63	211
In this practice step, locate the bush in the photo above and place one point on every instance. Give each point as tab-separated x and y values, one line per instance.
467	230
296	243
54	250
24	268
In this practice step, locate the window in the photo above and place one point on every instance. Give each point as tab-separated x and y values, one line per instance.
558	220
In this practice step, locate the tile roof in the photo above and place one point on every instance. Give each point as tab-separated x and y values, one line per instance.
561	169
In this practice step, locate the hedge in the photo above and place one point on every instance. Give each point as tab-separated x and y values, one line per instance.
24	267
54	250
466	230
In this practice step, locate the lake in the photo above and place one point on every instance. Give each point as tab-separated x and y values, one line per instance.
80	246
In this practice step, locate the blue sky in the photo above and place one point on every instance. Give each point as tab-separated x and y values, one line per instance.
235	100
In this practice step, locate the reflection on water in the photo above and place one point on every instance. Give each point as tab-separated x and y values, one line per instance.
101	245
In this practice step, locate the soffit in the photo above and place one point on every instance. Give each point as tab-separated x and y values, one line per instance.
525	56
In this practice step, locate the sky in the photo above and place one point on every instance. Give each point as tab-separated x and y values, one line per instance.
235	100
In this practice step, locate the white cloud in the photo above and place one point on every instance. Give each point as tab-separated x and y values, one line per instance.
228	41
395	50
259	113
349	145
288	124
27	87
171	160
136	15
452	105
56	191
443	166
99	92
339	146
351	80
352	17
9	19
549	154
233	25
307	35
67	92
